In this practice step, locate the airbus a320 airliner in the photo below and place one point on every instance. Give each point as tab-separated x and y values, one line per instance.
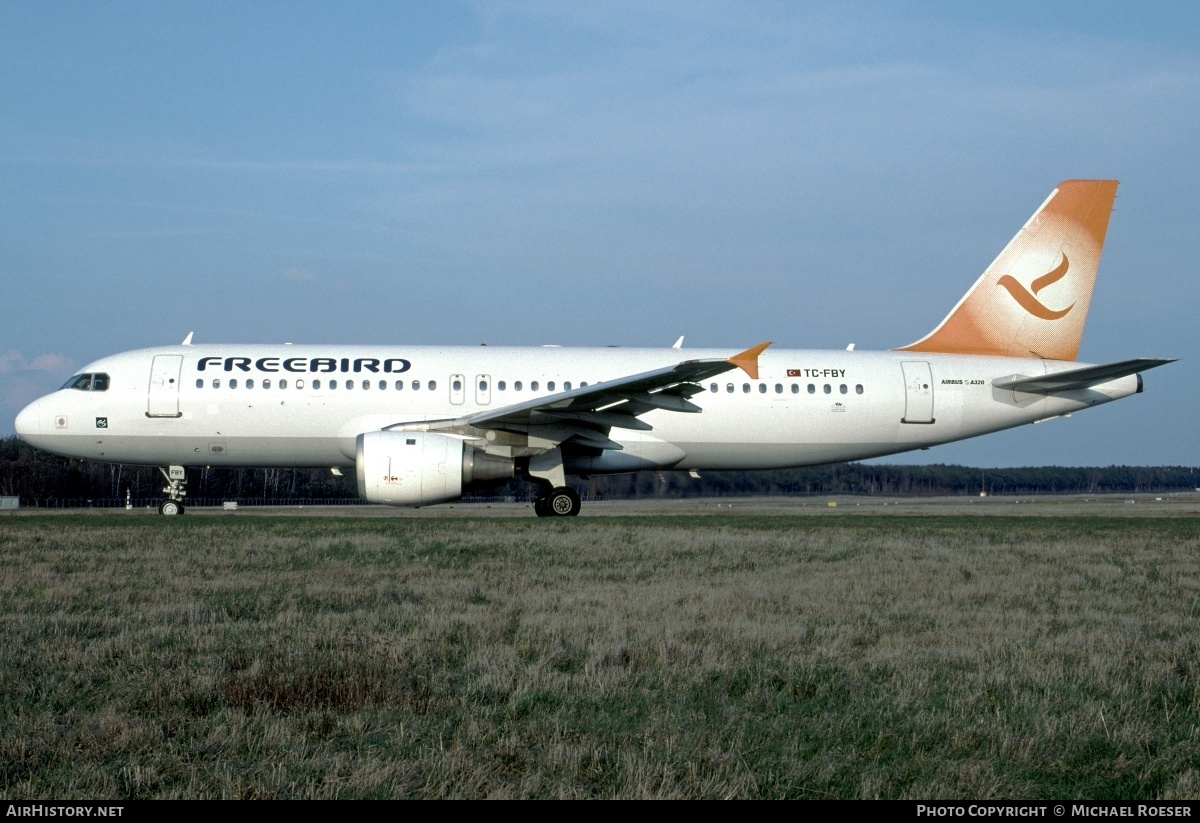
422	424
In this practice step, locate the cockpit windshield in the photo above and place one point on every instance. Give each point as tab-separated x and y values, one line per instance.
88	382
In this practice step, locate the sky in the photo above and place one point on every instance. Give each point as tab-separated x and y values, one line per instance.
593	173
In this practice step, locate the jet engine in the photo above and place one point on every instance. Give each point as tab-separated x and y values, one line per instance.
401	468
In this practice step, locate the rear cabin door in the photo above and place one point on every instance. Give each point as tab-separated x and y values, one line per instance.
918	392
164	386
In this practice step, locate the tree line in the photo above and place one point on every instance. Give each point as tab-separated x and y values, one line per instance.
42	479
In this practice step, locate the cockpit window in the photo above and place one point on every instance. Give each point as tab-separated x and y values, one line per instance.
88	382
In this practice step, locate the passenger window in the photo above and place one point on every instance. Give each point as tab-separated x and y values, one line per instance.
216	382
583	385
762	388
795	388
383	385
233	382
550	386
729	388
316	384
828	389
483	385
567	386
283	383
779	388
266	382
745	388
812	389
456	385
433	385
416	385
712	387
349	385
517	386
249	382
366	385
200	383
842	388
399	385
533	386
501	385
332	384
858	389
299	384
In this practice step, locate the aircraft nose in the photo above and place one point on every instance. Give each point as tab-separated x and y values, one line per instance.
29	421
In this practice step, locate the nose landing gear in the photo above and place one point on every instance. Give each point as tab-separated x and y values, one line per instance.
176	477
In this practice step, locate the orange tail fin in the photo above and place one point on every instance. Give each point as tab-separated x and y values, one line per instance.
1033	300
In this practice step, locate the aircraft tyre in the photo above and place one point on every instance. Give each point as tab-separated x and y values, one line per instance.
170	508
563	502
539	507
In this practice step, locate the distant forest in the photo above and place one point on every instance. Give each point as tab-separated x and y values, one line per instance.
41	479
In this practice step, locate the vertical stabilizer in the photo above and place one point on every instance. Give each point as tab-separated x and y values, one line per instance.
1033	300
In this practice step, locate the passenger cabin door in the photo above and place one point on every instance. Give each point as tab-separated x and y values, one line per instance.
483	389
918	392
458	389
164	386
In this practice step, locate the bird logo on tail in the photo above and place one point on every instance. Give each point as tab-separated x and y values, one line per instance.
1028	301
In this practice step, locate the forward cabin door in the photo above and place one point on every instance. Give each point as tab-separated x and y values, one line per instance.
918	392
164	386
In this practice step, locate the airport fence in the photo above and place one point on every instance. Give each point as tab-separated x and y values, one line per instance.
245	502
190	502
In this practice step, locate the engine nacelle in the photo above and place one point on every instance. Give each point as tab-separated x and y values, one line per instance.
399	468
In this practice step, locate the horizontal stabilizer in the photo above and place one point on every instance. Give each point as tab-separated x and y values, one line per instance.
1083	378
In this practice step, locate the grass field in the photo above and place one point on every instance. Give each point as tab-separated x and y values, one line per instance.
709	655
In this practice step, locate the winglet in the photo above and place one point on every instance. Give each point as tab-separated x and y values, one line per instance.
747	361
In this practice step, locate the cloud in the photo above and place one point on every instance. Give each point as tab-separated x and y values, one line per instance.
14	361
24	379
52	362
299	275
8	359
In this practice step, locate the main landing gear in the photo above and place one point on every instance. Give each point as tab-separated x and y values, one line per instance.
559	502
556	500
176	477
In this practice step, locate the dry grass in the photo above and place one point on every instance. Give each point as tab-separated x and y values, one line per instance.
720	656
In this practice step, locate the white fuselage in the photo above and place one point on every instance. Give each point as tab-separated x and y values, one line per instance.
296	406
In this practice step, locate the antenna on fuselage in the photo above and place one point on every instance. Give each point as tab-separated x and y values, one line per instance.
187	341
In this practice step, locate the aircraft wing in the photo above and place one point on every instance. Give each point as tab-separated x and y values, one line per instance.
585	415
1081	378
